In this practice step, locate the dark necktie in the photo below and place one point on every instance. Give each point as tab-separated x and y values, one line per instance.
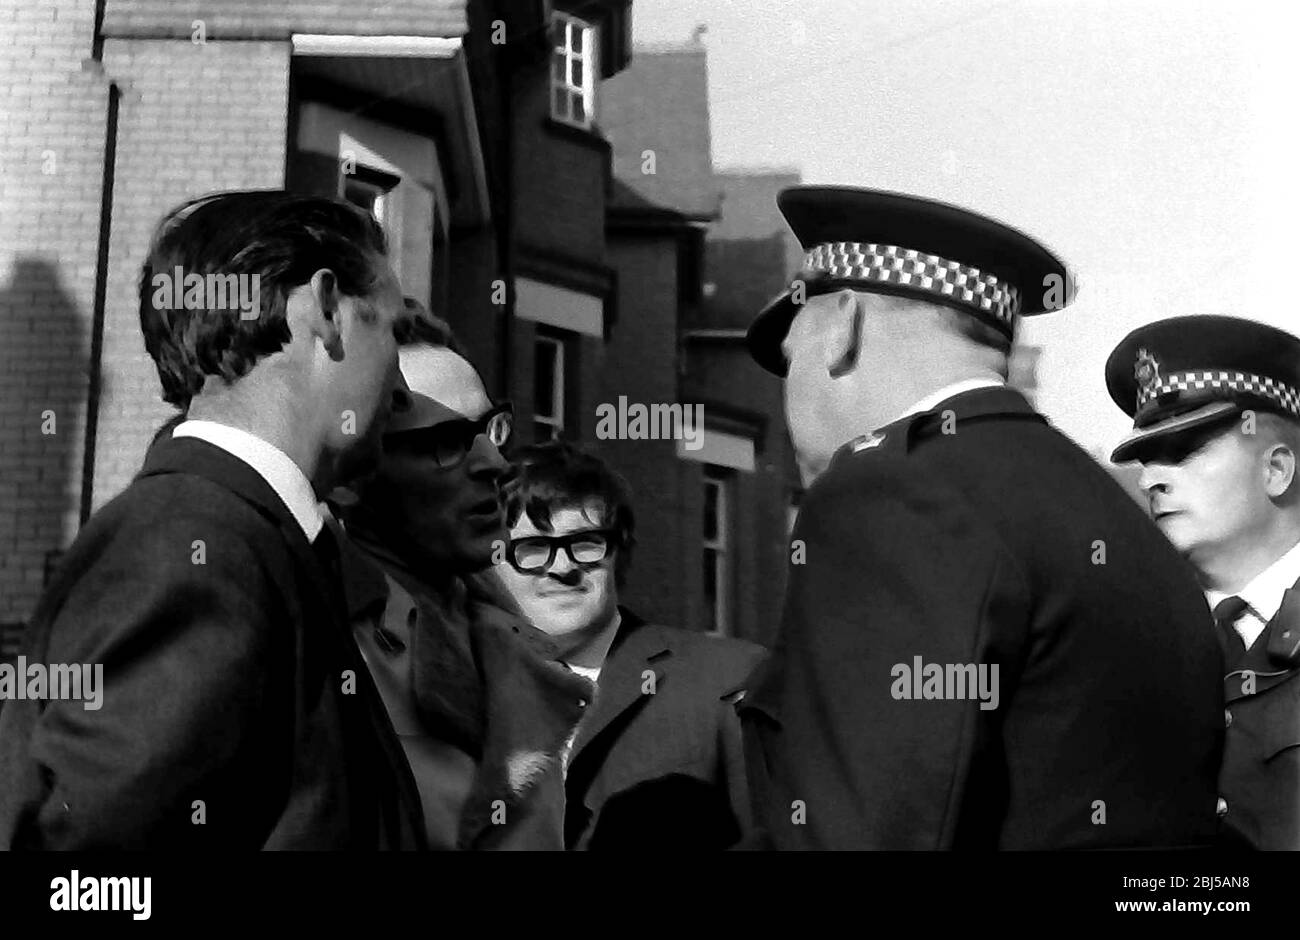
1226	613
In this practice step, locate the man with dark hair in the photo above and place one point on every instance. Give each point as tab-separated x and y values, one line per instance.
984	643
236	712
478	699
657	761
1215	403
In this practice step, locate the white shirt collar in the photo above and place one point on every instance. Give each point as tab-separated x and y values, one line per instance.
272	465
948	391
1264	593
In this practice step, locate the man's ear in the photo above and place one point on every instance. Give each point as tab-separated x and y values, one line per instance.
326	300
1279	470
843	334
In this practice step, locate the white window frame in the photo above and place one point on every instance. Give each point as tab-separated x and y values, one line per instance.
716	478
575	42
554	420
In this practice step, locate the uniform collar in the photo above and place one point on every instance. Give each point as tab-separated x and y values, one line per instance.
948	391
967	400
272	464
1264	593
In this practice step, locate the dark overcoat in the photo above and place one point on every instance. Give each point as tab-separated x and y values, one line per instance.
658	764
975	534
236	711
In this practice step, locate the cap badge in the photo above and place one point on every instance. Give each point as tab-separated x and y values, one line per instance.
1146	372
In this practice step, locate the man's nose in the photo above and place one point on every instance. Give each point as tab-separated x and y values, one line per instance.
564	569
1154	478
485	460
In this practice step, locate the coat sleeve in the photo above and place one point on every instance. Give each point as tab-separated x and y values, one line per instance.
732	752
859	746
181	615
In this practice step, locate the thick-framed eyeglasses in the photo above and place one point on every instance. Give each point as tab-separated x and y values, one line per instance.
534	554
449	443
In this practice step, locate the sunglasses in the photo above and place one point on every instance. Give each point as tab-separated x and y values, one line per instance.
536	553
449	443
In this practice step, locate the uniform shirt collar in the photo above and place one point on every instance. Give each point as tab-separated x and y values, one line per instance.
1264	593
271	464
948	391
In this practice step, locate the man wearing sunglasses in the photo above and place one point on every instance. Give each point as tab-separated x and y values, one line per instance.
481	706
657	761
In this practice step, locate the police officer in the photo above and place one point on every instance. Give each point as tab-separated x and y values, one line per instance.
985	644
1216	409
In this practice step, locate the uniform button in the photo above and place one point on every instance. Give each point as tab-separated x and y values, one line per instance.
1222	808
1227	718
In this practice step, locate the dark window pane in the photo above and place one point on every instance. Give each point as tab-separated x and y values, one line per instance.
710	509
711	589
544	380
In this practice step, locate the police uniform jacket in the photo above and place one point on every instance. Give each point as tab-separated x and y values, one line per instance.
975	533
1260	780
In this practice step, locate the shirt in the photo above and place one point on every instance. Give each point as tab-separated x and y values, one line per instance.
271	464
1263	596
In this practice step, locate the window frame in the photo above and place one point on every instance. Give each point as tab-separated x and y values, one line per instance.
563	56
722	480
556	419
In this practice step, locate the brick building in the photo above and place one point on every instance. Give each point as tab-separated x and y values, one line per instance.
435	114
697	253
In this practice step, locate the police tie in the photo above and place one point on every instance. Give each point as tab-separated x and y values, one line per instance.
1226	614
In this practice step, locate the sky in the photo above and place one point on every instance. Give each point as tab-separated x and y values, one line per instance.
1148	142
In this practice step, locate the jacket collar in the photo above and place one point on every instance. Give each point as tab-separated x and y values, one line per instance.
199	458
972	404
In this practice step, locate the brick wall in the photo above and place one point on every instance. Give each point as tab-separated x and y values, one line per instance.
193	119
559	178
640	361
52	132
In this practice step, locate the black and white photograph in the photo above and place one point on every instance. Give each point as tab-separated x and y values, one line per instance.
665	428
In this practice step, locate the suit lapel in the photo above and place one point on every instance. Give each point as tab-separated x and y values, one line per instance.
638	648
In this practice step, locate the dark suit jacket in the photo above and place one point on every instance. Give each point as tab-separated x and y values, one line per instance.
224	650
658	763
1260	781
984	545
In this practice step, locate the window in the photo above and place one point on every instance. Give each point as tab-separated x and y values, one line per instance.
371	189
548	388
717	550
573	71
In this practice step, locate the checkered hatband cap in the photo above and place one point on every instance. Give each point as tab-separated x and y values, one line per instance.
1246	383
890	264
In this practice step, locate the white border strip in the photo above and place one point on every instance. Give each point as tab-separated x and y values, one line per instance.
390	47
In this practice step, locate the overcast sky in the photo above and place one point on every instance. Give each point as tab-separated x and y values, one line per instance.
1147	141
